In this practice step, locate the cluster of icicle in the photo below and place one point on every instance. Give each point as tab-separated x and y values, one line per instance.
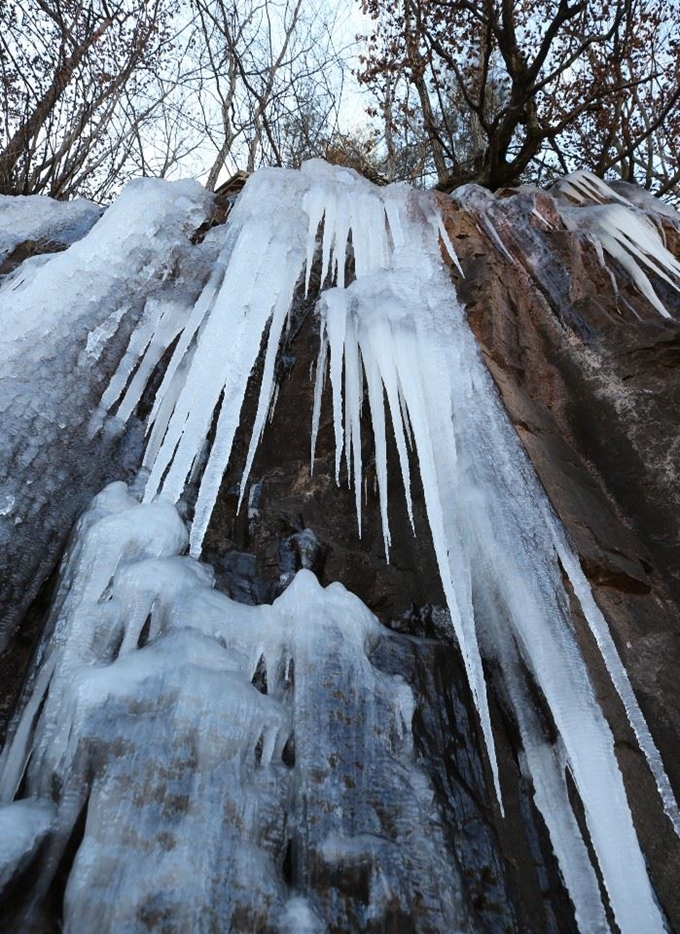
624	225
143	713
397	334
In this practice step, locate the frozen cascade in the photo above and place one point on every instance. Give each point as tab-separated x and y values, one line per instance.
187	773
143	662
493	532
495	549
65	319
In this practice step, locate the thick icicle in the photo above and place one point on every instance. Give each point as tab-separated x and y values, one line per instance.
617	672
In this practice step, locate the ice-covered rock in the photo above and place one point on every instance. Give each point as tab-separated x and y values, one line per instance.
196	785
63	328
39	219
160	703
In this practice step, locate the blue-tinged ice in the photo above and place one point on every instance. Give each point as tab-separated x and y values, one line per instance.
149	723
63	326
398	331
37	218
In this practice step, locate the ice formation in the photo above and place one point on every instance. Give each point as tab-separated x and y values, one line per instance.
65	323
37	218
623	230
393	341
145	717
495	543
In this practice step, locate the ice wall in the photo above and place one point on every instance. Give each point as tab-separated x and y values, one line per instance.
193	746
393	330
132	618
64	322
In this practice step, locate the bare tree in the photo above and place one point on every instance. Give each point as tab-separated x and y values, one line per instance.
70	71
273	83
98	91
510	88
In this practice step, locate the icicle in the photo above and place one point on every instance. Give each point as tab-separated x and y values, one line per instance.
544	766
393	214
189	332
617	672
585	188
315	204
377	407
380	353
275	399
353	395
438	224
334	319
328	237
267	387
632	240
343	225
321	366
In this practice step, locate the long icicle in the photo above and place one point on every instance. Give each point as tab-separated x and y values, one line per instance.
399	327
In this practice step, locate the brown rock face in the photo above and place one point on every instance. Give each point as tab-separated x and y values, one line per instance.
590	379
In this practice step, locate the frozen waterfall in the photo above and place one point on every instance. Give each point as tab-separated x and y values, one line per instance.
141	646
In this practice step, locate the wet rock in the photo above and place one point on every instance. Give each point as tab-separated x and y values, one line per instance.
587	370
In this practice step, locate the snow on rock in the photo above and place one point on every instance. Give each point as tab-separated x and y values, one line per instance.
56	323
298	918
39	218
392	329
136	241
144	715
24	825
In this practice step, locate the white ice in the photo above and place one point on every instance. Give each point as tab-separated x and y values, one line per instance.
489	533
627	226
62	330
398	332
23	827
179	759
39	218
